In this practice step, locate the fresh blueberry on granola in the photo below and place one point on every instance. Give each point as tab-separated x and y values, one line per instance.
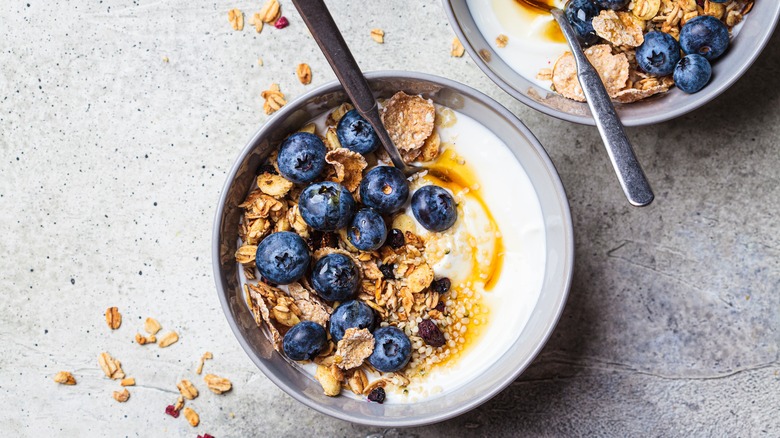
706	36
434	208
392	350
356	134
335	277
351	314
580	14
304	341
659	54
301	157
326	206
384	189
367	231
282	257
692	73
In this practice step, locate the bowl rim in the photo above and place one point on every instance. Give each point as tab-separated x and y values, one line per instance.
567	260
677	111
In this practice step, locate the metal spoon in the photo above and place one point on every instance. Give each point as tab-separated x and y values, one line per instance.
629	171
325	32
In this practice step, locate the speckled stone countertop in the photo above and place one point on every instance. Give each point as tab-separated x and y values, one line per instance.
113	160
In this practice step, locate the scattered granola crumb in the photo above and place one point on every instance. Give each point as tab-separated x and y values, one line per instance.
457	49
256	20
111	367
152	326
274	99
128	381
259	61
270	11
191	416
143	340
304	73
485	55
501	41
121	396
281	23
169	339
217	384
378	35
65	378
236	18
179	403
187	389
206	355
113	318
165	59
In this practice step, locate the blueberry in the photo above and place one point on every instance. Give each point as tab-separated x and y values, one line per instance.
385	189
613	4
580	14
356	134
692	73
335	277
388	271
434	208
326	206
351	314
301	157
282	257
367	231
659	54
392	350
304	341
706	36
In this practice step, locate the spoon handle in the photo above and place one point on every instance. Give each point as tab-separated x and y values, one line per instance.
325	32
629	171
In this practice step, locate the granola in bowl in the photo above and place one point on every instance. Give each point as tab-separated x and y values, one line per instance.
402	317
626	41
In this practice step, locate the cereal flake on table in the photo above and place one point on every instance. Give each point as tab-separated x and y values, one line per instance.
378	35
456	49
236	19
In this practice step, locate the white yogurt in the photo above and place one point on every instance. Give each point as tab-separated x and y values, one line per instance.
507	191
528	49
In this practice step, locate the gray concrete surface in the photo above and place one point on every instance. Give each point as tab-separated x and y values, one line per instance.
113	160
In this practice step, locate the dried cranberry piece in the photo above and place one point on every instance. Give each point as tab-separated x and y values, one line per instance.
431	334
387	271
441	285
396	238
171	410
206	435
267	281
700	3
377	395
439	307
281	23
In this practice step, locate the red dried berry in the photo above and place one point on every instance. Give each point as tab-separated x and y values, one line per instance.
439	307
387	271
205	435
431	334
171	410
377	395
281	23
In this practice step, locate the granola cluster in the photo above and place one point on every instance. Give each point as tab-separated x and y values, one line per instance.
623	32
397	280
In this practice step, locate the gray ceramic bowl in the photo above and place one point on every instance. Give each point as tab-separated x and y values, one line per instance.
758	27
557	276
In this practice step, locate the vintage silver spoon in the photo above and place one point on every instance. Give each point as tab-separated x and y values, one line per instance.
629	171
325	32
